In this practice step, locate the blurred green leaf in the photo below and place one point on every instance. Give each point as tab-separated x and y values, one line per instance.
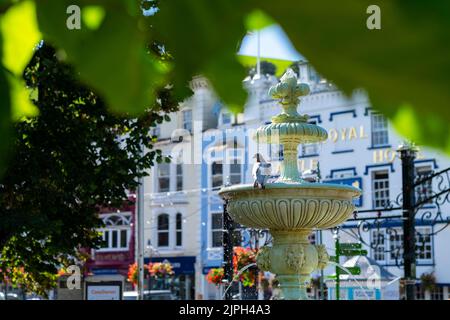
405	63
281	65
203	37
20	35
258	19
93	16
112	58
5	115
21	105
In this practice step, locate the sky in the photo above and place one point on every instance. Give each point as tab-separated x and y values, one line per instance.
274	44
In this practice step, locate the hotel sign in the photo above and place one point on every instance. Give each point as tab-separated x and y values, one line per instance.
346	134
389	155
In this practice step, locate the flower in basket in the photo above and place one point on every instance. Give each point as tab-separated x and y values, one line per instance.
160	269
243	257
133	273
215	275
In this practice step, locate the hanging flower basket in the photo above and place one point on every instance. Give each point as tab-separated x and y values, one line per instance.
242	257
157	270
160	269
428	281
215	276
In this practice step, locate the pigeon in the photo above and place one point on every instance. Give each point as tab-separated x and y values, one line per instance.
261	171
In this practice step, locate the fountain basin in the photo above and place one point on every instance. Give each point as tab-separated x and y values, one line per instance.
291	211
283	206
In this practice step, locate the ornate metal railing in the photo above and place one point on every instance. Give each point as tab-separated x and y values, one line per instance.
432	193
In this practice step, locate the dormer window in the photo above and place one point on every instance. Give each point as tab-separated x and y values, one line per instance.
187	120
226	118
217	174
380	131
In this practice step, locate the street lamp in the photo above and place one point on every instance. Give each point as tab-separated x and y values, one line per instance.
407	151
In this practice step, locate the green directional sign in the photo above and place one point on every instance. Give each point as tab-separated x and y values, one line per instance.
331	277
351	246
352	252
354	270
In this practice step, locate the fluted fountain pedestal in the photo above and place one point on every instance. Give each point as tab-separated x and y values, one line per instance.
290	207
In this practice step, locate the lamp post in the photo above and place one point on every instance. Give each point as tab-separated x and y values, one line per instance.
408	153
140	239
227	251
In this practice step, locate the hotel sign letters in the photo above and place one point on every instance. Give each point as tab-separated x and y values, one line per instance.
347	133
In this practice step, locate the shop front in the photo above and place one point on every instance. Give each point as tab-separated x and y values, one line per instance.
182	283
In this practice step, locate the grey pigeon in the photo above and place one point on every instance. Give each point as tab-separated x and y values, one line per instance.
261	171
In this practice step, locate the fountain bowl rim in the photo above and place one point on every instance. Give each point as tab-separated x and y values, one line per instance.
280	185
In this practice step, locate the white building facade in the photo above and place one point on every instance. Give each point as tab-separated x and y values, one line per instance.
360	150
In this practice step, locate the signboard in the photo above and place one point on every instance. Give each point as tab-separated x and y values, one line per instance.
111	290
354	270
354	182
343	293
98	271
350	245
351	252
364	294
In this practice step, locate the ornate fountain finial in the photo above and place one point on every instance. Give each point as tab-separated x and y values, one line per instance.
289	91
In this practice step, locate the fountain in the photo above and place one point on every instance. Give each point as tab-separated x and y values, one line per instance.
290	207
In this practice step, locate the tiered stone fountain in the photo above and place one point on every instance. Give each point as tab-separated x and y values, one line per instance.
290	207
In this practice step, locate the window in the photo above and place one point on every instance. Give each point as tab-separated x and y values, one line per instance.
378	245
425	190
164	177
420	293
163	230
312	238
423	243
156	132
217	174
179	177
437	293
396	246
281	152
342	174
379	130
187	120
226	118
424	248
116	234
179	229
313	76
216	229
310	148
275	152
380	189
235	173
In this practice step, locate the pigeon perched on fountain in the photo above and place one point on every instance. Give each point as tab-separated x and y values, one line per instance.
261	171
